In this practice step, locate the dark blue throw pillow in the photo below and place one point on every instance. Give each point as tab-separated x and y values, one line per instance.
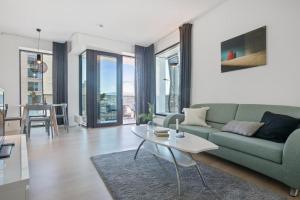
277	127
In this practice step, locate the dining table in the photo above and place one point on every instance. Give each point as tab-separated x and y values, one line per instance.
25	119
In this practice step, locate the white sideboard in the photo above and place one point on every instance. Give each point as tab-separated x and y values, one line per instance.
14	171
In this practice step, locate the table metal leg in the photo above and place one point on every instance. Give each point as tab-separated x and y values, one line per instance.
201	175
156	146
138	149
199	172
177	171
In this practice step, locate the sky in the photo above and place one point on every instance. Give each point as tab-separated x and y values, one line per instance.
128	78
108	75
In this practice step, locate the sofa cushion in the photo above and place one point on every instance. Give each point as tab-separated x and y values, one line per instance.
254	112
242	127
254	146
277	127
219	112
195	116
196	130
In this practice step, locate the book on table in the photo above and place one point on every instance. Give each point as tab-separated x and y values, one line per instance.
161	132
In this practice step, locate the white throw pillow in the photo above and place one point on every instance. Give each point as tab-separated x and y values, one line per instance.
195	116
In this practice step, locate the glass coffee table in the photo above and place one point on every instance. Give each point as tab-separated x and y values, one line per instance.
176	150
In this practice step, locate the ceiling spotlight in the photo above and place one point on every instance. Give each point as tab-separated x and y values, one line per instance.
100	25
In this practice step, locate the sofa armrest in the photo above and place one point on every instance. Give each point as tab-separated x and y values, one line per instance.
291	160
171	119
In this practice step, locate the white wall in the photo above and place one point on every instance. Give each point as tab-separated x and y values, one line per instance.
167	41
275	83
81	42
9	67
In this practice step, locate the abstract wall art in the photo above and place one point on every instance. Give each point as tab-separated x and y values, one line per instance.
244	51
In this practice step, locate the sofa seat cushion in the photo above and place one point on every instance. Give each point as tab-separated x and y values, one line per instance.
196	130
265	149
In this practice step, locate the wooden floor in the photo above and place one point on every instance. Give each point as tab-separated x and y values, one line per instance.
61	169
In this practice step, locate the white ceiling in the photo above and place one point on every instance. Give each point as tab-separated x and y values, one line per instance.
133	21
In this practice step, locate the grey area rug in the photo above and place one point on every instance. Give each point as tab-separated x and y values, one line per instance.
151	178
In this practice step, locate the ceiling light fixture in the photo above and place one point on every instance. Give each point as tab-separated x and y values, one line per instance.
100	25
39	56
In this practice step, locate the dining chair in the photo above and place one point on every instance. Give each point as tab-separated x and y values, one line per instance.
62	114
44	117
10	118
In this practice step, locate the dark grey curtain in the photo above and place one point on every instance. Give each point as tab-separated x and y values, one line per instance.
185	64
60	73
91	87
145	79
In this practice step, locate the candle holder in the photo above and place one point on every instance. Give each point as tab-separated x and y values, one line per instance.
179	134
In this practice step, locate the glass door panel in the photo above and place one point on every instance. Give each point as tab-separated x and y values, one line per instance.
83	89
107	90
128	90
168	81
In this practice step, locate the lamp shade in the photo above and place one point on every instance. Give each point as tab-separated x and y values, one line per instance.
39	59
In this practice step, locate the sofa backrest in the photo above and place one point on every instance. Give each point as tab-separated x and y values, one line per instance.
219	113
254	112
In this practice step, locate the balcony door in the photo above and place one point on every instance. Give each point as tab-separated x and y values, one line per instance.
109	91
106	89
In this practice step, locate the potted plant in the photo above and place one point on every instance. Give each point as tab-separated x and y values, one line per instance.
147	118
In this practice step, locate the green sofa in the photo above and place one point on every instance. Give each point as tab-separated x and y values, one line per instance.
280	161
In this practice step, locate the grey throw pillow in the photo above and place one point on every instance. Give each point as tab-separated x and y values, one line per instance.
242	127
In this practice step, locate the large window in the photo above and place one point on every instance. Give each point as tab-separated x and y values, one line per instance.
168	80
36	79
